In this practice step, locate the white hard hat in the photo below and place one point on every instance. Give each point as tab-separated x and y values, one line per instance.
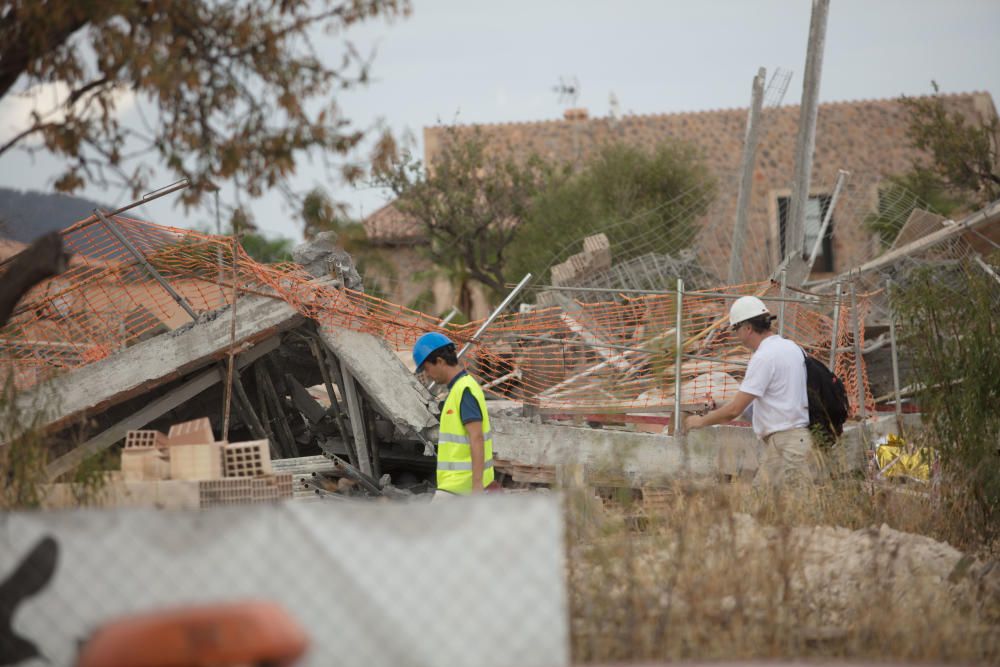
746	308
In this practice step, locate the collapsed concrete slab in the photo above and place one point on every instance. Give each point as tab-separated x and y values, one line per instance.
394	390
151	363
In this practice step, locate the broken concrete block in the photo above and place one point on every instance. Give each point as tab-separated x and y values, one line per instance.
143	465
196	462
247	459
194	432
321	257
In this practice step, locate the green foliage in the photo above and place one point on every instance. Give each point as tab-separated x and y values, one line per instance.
955	347
963	152
900	194
24	455
660	192
423	301
320	214
265	249
468	205
238	90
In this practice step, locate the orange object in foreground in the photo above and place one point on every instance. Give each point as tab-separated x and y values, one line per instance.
242	633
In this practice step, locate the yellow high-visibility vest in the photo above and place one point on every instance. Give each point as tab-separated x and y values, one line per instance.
454	459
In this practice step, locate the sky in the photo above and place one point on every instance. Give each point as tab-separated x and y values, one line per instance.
472	61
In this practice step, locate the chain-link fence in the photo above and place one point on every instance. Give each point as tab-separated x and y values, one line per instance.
371	584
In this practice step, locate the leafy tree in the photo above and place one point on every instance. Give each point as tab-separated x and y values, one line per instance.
321	214
266	249
954	343
963	169
468	204
240	91
964	154
660	192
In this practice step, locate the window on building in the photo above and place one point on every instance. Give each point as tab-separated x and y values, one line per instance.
816	208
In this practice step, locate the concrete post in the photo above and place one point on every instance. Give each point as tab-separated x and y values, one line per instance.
746	178
806	142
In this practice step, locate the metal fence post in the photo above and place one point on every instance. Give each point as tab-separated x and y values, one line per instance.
836	329
781	305
895	353
859	376
139	257
678	356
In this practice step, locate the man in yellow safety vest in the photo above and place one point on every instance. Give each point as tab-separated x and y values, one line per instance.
465	445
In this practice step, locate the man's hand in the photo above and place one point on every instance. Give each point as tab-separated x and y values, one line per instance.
721	415
693	421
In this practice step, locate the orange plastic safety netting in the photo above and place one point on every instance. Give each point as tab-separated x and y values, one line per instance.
617	356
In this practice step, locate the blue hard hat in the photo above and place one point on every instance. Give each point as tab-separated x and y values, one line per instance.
426	344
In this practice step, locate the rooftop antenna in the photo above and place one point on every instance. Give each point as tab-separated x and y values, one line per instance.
614	108
567	90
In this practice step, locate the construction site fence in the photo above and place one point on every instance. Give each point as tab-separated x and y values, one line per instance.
354	582
632	353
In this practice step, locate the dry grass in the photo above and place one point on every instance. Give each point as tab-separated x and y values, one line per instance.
724	572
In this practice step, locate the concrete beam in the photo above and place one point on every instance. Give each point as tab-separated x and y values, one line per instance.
639	457
645	458
135	370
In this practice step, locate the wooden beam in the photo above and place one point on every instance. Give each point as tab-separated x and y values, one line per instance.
159	407
356	413
303	402
282	430
338	376
272	439
321	356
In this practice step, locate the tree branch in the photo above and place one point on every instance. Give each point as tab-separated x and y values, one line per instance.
40	260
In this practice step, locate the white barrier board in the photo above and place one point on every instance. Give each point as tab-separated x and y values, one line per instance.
473	582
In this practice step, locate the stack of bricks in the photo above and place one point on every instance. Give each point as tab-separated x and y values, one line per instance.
221	473
595	258
243	490
145	456
247	459
194	453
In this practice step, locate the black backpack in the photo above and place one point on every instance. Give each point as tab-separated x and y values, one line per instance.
828	404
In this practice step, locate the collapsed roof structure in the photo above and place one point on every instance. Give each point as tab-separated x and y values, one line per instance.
152	335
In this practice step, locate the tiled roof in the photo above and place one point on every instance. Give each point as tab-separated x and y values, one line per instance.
389	225
855	135
865	137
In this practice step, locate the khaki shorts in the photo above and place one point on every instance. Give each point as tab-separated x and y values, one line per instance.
788	457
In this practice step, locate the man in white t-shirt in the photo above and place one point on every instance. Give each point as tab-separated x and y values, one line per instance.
774	389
